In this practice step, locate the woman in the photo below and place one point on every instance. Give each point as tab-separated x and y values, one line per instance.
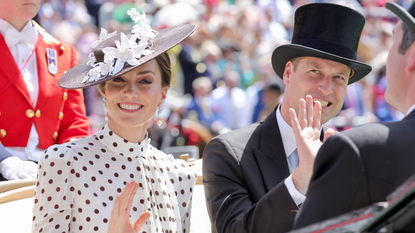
78	182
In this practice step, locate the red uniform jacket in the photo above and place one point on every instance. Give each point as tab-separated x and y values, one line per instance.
60	114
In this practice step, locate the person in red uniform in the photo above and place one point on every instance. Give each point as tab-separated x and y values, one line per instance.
35	112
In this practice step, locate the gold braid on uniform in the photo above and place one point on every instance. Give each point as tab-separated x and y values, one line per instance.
48	38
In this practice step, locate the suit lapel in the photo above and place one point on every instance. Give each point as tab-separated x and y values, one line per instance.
271	154
45	77
9	69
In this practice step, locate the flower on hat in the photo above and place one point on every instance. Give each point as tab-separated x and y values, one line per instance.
102	36
134	14
92	59
106	66
93	75
126	50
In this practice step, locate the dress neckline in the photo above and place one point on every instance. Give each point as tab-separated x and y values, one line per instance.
120	145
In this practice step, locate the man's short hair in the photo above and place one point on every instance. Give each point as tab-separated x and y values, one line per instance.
408	38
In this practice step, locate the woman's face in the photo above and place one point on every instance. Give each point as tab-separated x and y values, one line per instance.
133	98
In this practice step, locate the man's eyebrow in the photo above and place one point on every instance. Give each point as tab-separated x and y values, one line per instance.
316	65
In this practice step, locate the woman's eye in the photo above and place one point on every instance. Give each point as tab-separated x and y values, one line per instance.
145	81
118	79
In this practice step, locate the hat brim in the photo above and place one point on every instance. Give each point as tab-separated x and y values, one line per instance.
403	14
285	53
165	40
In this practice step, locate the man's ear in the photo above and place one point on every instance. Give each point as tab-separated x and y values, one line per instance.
289	69
410	65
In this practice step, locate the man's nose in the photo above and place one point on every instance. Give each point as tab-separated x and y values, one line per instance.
326	85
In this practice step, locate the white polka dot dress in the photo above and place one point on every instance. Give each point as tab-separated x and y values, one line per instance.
78	181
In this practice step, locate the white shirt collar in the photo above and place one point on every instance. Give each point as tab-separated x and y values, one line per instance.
287	133
410	109
4	25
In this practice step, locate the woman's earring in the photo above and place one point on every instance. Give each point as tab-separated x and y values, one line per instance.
104	102
159	110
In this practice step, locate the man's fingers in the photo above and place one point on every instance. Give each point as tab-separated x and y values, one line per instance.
309	107
141	220
329	132
302	114
317	116
294	122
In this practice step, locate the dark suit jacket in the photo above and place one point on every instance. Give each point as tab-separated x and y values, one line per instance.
359	167
243	175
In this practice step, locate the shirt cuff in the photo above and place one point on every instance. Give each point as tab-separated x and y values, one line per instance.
297	197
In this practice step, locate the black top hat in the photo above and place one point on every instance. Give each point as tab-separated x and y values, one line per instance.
406	16
327	31
165	39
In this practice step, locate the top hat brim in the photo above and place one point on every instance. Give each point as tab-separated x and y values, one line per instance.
165	40
403	14
285	53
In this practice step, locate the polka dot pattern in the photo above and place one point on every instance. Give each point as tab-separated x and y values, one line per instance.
78	182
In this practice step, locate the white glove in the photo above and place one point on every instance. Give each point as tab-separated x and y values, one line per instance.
12	168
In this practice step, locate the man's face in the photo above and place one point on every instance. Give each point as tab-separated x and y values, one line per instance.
395	70
18	10
325	80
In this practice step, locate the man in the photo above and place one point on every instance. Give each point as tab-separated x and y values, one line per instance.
362	166
34	112
246	172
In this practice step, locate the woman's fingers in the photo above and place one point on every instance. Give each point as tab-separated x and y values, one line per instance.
116	208
125	197
141	220
133	190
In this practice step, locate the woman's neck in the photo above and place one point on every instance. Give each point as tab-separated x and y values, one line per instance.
132	134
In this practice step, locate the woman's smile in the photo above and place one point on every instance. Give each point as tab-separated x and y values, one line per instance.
130	107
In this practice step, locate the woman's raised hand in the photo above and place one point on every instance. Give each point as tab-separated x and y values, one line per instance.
120	221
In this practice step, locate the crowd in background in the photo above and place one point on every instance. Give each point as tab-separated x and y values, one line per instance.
223	78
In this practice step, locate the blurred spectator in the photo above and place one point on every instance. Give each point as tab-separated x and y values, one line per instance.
230	102
201	106
255	92
271	94
192	63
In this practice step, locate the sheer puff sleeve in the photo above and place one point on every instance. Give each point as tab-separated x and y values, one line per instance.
54	192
